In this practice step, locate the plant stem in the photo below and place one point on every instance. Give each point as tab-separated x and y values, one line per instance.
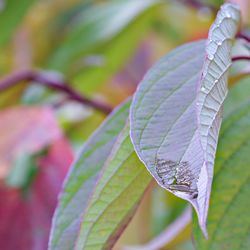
45	80
243	36
198	5
238	58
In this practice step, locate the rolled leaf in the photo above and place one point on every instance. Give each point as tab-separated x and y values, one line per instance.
228	219
211	95
176	113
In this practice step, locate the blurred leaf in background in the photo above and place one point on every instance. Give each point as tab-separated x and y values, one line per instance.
25	130
10	17
97	45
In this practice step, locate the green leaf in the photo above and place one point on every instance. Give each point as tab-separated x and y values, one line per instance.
239	92
99	158
82	178
11	16
228	219
215	3
121	186
96	46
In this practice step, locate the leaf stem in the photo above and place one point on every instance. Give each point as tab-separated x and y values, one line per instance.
44	79
238	58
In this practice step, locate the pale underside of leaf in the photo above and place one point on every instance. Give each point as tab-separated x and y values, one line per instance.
228	219
176	113
82	178
212	93
164	126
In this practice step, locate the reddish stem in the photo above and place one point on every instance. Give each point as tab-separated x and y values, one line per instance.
243	36
43	79
198	5
238	58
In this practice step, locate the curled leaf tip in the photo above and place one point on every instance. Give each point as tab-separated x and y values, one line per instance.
211	96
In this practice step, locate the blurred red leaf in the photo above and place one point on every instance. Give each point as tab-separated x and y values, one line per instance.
25	221
25	129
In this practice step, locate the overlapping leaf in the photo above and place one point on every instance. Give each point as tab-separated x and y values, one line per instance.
228	220
119	189
176	113
82	180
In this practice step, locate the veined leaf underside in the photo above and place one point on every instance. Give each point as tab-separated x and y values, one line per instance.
212	93
177	111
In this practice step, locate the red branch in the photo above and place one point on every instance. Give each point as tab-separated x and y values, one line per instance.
243	36
45	80
238	58
196	4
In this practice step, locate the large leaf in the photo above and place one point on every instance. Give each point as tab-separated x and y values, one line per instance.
82	179
228	220
176	113
10	17
117	193
163	113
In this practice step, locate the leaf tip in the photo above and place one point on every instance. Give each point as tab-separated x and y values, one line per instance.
203	227
201	213
202	220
